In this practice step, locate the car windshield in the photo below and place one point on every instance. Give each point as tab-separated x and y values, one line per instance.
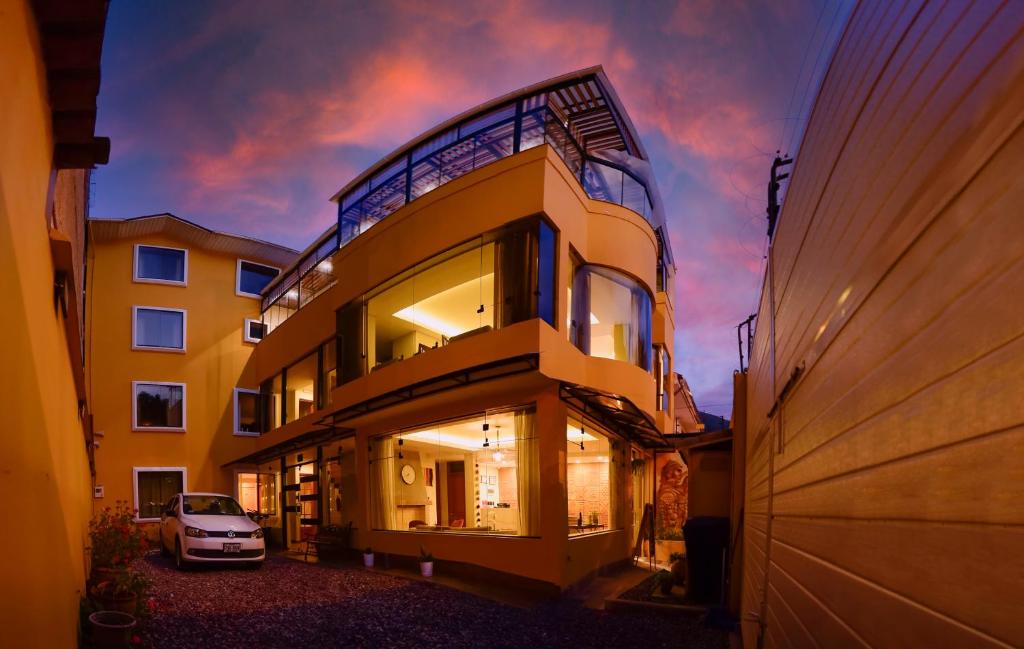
211	506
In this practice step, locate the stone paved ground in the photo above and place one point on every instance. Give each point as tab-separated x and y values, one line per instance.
290	604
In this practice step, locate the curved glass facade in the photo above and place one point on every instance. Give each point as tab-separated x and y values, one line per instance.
611	316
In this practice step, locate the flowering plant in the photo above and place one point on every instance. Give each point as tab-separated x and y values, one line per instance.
116	539
124	584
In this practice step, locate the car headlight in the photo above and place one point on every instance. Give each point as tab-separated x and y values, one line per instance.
195	532
257	534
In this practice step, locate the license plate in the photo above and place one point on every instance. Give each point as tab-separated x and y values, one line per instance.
232	547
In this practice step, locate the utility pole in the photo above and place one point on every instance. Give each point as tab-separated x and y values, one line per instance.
773	191
750	338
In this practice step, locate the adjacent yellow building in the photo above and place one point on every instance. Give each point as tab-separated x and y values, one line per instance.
47	147
172	317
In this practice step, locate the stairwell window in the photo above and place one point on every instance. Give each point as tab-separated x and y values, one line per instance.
158	406
254	330
160	265
158	329
251	278
247	412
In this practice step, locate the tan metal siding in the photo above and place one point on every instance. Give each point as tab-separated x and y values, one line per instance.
896	500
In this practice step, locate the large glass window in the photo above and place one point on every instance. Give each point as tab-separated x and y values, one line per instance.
493	282
611	316
440	301
253	278
273	404
329	371
158	406
158	328
476	475
663	375
300	383
258	492
547	253
155	487
591	479
159	264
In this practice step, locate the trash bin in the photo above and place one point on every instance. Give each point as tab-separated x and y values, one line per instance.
706	537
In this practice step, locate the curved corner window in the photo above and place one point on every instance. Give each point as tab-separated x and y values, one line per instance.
611	316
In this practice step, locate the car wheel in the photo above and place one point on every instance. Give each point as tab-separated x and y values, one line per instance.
179	562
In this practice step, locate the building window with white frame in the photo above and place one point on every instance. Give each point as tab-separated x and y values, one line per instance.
158	328
247	412
153	487
160	265
158	406
251	278
254	330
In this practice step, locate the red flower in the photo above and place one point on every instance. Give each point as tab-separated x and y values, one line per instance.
151	604
136	639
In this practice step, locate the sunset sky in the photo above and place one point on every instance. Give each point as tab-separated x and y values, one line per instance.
247	116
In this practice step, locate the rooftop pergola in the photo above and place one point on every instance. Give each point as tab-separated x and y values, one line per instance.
577	114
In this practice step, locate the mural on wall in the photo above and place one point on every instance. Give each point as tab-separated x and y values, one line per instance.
671	496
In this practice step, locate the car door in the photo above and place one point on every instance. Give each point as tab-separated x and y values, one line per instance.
169	523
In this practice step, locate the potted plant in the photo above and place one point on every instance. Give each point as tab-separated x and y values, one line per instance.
426	563
664	581
678	566
122	592
368	557
637	465
116	541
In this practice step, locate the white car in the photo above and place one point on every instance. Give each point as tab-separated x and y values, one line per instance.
205	527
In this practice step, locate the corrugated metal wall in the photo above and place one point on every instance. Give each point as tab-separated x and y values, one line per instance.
885	496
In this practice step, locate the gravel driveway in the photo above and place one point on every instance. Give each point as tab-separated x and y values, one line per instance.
290	604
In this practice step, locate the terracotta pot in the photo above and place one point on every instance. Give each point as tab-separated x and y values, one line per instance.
123	603
679	571
107	573
111	629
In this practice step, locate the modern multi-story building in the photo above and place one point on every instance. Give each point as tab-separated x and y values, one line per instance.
476	359
172	317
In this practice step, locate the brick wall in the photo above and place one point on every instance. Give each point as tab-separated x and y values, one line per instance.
588	490
507	490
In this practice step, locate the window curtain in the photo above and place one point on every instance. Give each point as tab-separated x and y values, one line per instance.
641	319
383	479
527	472
159	328
615	508
580	326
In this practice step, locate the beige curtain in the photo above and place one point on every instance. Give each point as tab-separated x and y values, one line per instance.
615	508
527	472
382	483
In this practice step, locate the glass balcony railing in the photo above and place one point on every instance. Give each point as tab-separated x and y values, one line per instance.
476	142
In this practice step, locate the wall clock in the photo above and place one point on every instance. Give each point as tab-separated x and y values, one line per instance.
408	474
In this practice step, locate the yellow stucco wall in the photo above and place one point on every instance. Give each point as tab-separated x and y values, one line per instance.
210	367
44	471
